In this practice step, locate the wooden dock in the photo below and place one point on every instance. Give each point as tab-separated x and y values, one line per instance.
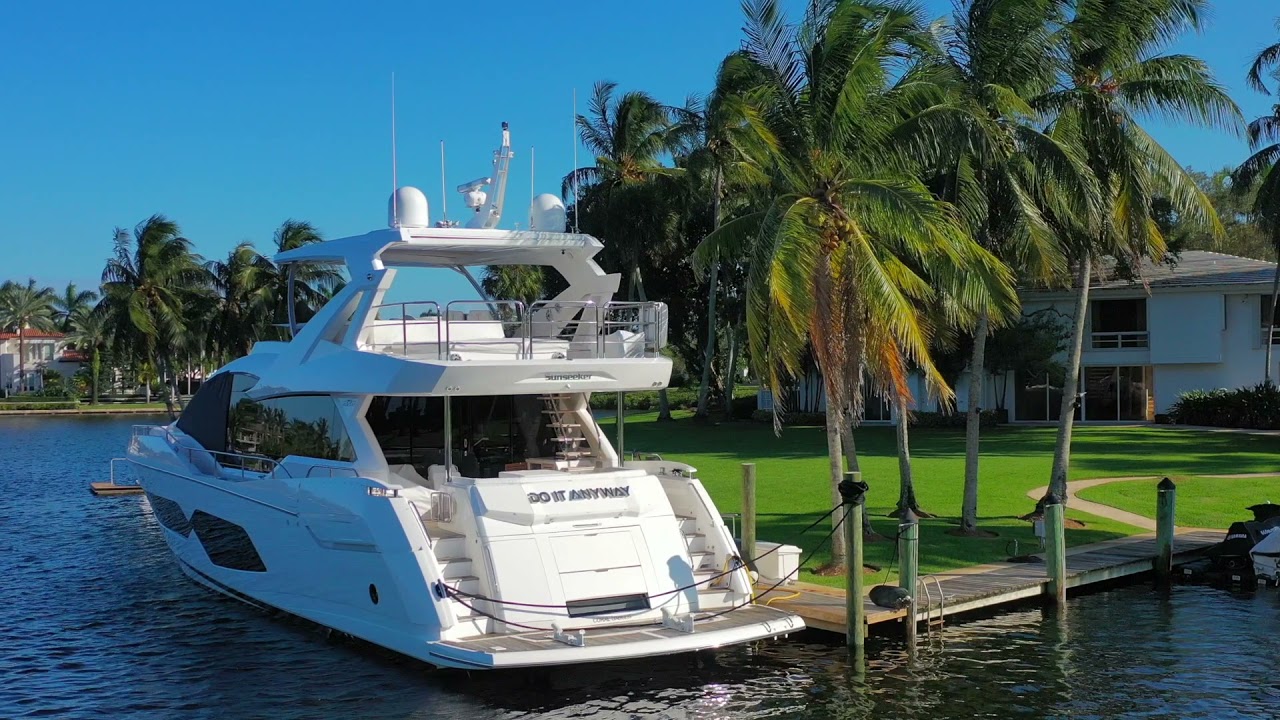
110	488
986	586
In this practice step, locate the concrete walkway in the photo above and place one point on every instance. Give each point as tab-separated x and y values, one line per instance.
1112	513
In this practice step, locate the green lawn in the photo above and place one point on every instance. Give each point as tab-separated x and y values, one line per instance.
1202	502
792	484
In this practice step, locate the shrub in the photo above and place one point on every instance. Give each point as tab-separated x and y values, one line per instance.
680	398
986	419
11	405
1256	407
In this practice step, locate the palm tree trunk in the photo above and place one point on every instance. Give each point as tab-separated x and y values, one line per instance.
906	487
95	367
1271	327
851	464
22	360
710	354
731	374
972	426
838	550
1070	385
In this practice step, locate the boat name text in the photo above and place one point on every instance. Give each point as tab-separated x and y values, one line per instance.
583	494
556	377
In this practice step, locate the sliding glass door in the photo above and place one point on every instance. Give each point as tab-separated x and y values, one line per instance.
1116	393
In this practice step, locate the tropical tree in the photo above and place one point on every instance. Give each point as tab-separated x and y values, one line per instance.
629	136
1257	175
850	242
149	282
1115	76
524	283
70	304
245	283
311	281
720	139
23	308
998	166
90	333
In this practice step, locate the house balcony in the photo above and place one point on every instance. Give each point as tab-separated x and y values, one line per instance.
1131	340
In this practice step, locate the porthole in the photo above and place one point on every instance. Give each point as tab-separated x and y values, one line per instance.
373	593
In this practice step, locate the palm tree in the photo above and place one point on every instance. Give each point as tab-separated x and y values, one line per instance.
629	137
850	242
71	303
998	167
524	283
148	284
310	281
1114	76
720	141
22	308
90	333
1257	175
245	283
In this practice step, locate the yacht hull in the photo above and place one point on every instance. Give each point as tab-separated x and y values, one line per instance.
254	541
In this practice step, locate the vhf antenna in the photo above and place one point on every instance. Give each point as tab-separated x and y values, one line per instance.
395	211
444	189
573	127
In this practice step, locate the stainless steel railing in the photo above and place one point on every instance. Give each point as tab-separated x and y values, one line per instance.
552	329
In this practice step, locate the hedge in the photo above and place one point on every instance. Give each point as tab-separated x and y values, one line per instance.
10	405
681	398
1256	407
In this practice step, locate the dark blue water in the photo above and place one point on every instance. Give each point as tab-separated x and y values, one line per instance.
97	621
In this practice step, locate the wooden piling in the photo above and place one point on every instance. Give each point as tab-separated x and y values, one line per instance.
855	611
1055	555
748	511
1166	504
622	427
909	559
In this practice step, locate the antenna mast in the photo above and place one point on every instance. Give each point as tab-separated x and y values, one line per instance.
573	129
444	191
532	176
395	211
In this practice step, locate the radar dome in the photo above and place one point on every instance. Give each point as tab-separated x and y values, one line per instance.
408	208
546	213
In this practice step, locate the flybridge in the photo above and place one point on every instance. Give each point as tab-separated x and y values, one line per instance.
582	494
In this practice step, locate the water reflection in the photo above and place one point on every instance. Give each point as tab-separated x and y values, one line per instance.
97	621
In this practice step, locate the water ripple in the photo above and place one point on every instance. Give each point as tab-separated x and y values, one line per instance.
96	621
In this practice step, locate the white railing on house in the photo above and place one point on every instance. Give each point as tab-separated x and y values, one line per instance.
1275	335
1120	340
510	330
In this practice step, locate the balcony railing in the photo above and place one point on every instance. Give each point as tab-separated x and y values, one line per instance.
510	330
1120	340
1275	335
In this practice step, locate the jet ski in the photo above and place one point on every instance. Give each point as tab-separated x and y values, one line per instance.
1232	559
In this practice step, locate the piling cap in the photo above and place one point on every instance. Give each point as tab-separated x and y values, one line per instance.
1166	484
908	517
1051	498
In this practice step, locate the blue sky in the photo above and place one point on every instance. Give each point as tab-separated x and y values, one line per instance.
230	117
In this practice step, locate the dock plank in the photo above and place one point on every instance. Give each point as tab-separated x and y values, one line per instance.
995	584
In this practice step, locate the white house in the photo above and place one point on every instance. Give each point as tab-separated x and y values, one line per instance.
42	350
1196	325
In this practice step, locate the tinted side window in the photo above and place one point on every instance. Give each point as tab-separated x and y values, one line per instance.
302	425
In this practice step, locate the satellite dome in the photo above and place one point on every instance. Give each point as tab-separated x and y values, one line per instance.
408	208
546	213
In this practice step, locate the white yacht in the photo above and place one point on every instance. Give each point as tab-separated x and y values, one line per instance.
429	477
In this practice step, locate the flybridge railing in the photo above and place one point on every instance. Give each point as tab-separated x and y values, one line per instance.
510	329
